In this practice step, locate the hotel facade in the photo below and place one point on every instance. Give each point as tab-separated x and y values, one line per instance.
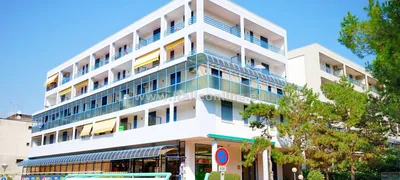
163	92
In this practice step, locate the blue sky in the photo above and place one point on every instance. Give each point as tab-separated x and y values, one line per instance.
36	36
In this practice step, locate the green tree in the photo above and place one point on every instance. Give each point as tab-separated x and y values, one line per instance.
301	110
379	36
347	110
265	114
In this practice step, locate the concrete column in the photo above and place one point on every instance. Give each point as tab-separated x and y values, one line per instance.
188	45
118	119
243	56
280	171
73	91
214	147
58	99
200	11
73	133
90	85
112	51
74	70
187	13
190	160
265	165
163	55
91	62
110	76
171	112
42	139
146	118
57	134
200	41
242	27
164	26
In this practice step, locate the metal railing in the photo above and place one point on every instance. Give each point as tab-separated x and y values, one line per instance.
234	30
52	86
120	54
174	29
128	75
99	86
174	58
192	20
356	82
190	85
233	59
263	44
147	41
143	69
336	73
81	72
100	63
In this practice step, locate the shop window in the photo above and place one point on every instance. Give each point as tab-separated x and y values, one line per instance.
203	160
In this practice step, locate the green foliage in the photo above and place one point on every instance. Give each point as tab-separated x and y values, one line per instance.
228	176
315	175
260	144
378	35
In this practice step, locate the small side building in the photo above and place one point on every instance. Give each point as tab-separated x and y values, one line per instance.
14	142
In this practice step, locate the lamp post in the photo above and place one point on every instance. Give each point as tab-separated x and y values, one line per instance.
4	166
300	177
294	170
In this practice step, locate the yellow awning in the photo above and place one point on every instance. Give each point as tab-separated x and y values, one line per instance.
86	130
65	91
104	126
147	58
82	83
51	79
175	43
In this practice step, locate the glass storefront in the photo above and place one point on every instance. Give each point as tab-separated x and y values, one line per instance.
203	160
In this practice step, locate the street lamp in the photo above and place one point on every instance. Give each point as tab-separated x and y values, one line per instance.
300	177
294	170
4	166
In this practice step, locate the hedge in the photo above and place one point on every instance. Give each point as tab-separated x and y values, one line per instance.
228	176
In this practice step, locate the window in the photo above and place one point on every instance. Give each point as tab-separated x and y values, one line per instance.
93	105
19	160
65	136
252	62
245	81
29	127
279	91
134	122
107	57
76	133
215	72
155	84
327	68
175	114
266	66
152	118
251	36
226	111
264	42
172	54
96	85
269	89
106	81
44	140
246	121
51	139
167	115
118	75
172	79
104	101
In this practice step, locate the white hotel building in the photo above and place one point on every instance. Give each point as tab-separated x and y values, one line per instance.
112	107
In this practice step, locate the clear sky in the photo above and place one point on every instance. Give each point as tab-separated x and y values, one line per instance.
38	35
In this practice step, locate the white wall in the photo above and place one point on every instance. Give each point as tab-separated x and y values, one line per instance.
297	71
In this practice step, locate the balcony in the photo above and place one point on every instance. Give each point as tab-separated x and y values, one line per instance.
148	41
100	63
192	20
336	73
66	79
356	82
263	44
234	30
233	59
51	86
122	53
122	78
175	28
81	72
154	120
99	86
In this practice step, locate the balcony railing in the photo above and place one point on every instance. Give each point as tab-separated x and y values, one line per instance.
143	69
128	75
174	58
99	86
121	54
264	71
51	86
264	44
154	120
234	30
336	73
147	41
100	63
192	20
175	28
356	82
66	79
233	59
81	72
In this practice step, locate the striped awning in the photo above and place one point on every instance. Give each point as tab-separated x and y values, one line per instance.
147	58
174	44
51	79
147	152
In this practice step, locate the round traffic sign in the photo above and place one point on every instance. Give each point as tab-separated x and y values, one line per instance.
222	156
3	178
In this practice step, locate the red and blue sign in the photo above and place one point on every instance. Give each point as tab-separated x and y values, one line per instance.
222	156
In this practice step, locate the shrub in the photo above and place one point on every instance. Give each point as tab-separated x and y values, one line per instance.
228	176
315	175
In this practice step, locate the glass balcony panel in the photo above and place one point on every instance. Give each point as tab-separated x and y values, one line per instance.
225	85
245	90
120	54
202	82
254	93
235	87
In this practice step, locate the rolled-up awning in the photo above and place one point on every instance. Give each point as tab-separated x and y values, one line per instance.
65	91
147	58
104	126
51	79
82	83
146	152
86	130
174	44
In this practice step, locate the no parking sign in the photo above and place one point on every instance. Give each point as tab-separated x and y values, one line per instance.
222	156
